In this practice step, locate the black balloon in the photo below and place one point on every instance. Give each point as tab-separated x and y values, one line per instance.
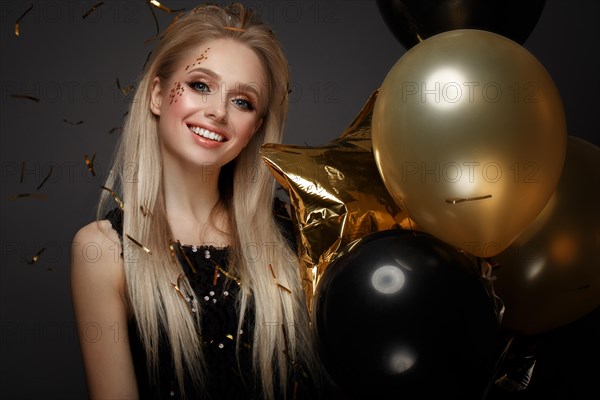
400	314
414	20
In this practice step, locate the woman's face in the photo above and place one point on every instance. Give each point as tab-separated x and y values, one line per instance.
208	109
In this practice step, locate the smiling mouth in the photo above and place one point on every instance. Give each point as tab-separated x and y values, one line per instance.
205	133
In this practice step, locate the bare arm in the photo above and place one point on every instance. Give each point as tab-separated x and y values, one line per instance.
97	286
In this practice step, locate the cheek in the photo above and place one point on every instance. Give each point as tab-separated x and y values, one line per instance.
176	92
249	130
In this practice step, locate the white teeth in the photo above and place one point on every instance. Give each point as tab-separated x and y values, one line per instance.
205	133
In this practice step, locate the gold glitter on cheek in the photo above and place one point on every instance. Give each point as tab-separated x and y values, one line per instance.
176	91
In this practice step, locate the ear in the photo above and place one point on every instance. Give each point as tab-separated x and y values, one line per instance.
155	96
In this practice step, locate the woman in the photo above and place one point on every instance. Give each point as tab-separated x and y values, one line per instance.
194	265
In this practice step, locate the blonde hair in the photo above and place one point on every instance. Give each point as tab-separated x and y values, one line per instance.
281	331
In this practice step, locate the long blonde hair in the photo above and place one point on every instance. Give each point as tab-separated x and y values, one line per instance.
281	331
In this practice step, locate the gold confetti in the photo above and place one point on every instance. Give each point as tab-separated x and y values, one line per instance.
155	19
233	28
189	262
227	274
72	123
146	62
172	247
91	10
25	96
229	336
45	179
36	256
215	276
164	8
141	246
114	195
126	90
277	283
37	196
176	287
457	200
20	18
90	163
145	210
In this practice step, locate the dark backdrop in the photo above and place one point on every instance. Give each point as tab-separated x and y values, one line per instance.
339	52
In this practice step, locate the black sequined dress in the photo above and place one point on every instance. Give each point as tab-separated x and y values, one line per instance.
217	292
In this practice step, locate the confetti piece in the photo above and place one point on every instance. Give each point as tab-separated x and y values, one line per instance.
187	259
20	18
126	90
146	62
36	256
278	284
172	247
155	19
24	96
215	277
462	200
22	171
233	28
164	8
90	163
91	10
37	196
145	210
176	287
71	122
141	246
114	195
227	274
116	128
45	179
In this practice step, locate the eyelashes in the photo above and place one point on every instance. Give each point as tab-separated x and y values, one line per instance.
204	88
199	86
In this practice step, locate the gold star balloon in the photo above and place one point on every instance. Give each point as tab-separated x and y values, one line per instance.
336	194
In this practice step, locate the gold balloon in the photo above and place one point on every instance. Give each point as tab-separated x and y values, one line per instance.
336	194
550	275
469	134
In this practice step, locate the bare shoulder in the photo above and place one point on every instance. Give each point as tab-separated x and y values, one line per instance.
98	286
95	255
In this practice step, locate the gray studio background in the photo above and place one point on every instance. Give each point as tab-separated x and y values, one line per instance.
339	52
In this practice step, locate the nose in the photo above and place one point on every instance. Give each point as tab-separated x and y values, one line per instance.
216	109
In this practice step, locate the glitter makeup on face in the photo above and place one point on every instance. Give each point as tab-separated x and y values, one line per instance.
199	59
176	91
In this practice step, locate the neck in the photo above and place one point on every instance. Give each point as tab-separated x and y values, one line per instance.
191	193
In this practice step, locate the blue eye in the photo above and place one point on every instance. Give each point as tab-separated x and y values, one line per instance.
243	104
199	86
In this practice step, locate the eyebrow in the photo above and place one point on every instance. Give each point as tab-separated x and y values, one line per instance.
246	87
